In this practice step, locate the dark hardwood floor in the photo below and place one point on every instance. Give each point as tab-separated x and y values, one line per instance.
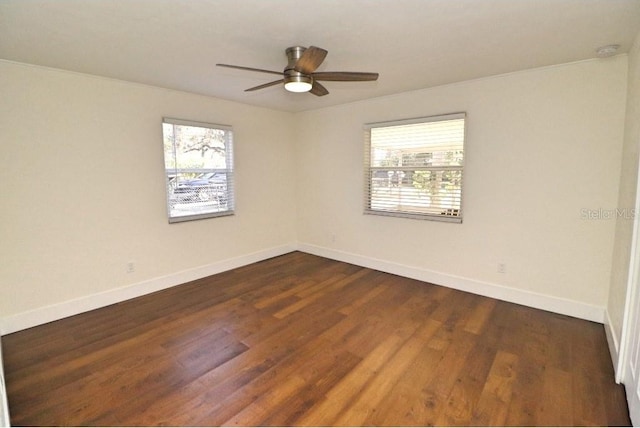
302	340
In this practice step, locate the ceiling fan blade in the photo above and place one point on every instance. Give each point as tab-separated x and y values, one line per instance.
318	89
279	73
310	59
265	85
344	76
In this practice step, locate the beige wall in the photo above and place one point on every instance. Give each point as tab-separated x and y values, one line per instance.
627	195
83	184
542	145
83	188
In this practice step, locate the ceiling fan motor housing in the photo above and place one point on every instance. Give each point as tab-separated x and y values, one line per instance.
290	74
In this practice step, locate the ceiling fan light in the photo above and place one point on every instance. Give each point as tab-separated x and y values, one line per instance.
298	83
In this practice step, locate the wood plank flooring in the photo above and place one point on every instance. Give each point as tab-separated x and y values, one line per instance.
302	340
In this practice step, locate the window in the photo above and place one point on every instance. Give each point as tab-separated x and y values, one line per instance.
413	168
198	159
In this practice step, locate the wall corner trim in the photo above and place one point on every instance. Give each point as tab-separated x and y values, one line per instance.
613	343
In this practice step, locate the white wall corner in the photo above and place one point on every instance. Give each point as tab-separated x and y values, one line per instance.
522	297
77	306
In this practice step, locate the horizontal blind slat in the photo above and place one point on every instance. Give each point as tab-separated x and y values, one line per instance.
199	170
415	168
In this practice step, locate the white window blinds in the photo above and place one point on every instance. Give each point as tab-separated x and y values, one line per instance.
413	168
199	169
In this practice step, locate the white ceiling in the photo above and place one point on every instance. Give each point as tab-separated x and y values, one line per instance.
413	44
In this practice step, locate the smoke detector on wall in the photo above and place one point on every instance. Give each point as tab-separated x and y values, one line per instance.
607	51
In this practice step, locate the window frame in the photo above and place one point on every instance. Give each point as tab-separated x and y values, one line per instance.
229	171
448	216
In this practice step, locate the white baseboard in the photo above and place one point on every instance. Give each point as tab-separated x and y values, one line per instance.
614	345
496	291
65	309
61	310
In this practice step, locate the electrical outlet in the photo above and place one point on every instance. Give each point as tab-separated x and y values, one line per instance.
502	268
131	267
333	238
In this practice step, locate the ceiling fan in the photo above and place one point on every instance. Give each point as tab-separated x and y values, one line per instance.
300	73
